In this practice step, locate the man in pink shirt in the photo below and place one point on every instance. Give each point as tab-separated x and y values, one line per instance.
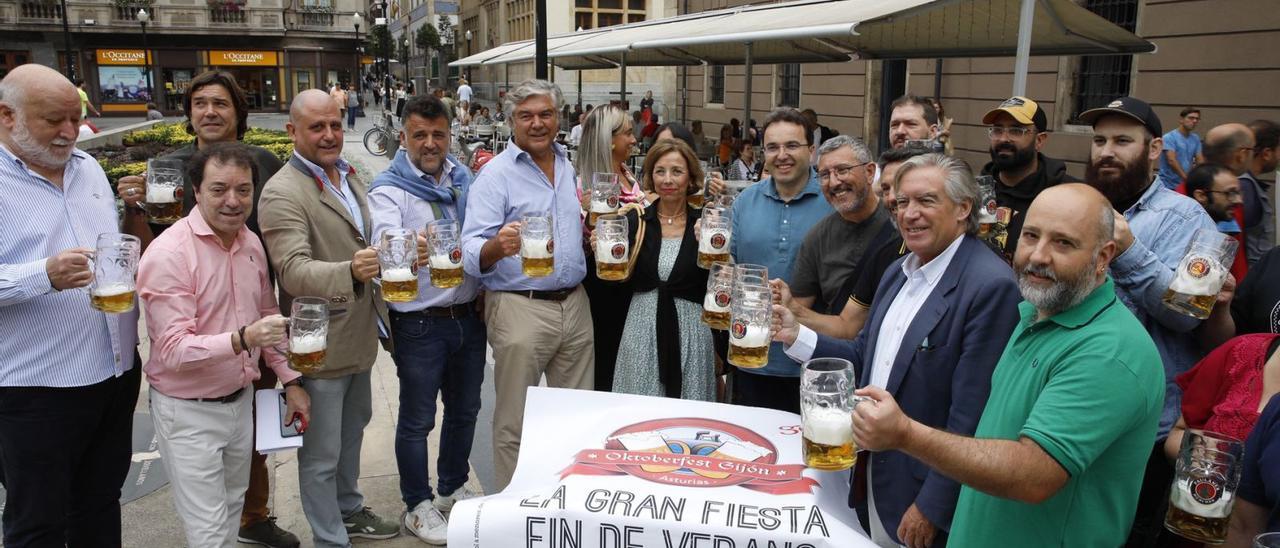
210	312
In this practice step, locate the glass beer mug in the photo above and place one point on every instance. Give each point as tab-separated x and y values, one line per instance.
1204	484
750	315
713	243
1200	275
987	205
537	247
613	250
715	305
605	193
115	269
308	334
826	402
163	200
446	253
398	259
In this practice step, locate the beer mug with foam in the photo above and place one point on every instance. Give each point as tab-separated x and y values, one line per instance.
605	192
537	246
987	205
750	316
1204	485
115	269
826	402
308	334
398	259
1201	273
699	199
446	253
715	305
716	234
163	200
612	247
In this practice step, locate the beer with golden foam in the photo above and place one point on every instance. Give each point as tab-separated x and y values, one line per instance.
163	205
712	247
306	353
114	298
748	346
399	285
1199	509
537	257
1195	286
715	310
611	260
445	273
828	439
696	200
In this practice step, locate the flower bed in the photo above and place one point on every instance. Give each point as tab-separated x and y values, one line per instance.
131	159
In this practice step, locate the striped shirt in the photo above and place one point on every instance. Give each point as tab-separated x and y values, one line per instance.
47	337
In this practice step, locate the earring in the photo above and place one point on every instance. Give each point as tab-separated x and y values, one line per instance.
612	146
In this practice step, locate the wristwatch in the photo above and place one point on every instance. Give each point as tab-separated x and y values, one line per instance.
294	382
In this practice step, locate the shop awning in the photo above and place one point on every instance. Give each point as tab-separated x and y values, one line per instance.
831	31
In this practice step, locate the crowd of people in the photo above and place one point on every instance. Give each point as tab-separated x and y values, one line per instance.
1022	381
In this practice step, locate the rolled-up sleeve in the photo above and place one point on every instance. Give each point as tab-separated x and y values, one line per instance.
168	296
1140	271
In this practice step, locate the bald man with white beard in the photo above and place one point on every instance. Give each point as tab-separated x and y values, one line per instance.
68	380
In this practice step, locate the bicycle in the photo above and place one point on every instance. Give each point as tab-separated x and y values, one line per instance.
380	140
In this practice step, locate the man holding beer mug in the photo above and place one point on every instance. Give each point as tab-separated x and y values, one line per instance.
523	240
68	384
439	337
1058	454
315	221
938	323
204	354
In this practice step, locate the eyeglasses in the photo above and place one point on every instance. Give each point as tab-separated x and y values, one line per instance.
996	132
840	171
1230	194
791	148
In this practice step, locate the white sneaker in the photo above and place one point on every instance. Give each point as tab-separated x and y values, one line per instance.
444	503
427	523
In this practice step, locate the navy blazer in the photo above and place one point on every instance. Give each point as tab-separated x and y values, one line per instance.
942	374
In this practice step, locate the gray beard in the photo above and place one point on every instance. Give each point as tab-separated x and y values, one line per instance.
1062	295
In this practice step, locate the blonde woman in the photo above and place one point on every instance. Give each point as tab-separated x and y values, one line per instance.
608	136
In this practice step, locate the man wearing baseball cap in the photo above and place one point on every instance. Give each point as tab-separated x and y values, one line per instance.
1018	132
1152	228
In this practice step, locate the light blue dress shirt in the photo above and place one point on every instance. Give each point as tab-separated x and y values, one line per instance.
54	338
768	231
1162	222
509	186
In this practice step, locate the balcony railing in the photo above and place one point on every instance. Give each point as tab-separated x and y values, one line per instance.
41	10
315	18
130	13
227	15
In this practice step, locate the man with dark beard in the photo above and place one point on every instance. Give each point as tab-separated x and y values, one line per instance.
1075	398
1152	228
1017	131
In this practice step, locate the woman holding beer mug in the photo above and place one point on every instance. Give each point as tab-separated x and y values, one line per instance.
1226	390
666	288
607	140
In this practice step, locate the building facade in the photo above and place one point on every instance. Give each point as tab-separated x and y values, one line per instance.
275	48
426	68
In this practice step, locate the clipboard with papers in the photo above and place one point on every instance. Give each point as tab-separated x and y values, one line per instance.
269	418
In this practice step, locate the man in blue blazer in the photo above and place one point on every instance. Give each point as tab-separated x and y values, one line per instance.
938	324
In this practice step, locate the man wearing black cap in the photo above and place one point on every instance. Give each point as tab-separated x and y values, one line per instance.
1152	229
1017	129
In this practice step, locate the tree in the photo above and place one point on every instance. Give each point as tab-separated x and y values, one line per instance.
427	39
378	42
445	26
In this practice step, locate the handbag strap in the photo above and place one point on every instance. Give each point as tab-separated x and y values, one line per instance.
635	248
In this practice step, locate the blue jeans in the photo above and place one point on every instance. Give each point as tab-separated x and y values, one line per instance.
445	356
351	117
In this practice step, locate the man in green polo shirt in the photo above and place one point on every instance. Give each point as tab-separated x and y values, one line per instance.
1059	453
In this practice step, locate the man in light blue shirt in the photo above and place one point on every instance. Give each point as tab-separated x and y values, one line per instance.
770	221
537	325
68	382
1182	149
439	339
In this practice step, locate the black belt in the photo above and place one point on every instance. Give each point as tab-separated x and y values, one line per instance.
557	295
456	311
224	399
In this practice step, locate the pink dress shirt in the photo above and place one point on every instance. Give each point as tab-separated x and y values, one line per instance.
195	293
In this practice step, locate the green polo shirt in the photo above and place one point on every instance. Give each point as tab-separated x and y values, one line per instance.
1087	386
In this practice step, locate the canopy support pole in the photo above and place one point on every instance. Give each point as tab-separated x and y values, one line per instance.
579	93
746	95
1024	47
622	69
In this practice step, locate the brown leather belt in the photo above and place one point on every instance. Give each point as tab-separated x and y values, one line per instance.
557	295
224	399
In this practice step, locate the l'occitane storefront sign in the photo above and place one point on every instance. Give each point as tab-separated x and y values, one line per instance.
243	58
128	57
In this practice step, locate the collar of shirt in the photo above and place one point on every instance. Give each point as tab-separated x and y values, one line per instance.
1080	315
76	156
319	173
556	148
812	188
932	270
200	227
445	169
1145	199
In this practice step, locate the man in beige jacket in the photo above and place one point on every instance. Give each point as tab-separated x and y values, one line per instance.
315	222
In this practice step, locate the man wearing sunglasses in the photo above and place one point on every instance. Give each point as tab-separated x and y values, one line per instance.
1017	129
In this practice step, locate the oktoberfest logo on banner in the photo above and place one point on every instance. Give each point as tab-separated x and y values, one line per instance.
616	471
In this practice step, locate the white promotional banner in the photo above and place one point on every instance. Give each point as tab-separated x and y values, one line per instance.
602	470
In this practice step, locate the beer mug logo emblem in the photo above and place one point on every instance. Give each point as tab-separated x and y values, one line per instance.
1205	490
177	193
612	201
618	251
991	207
717	240
455	256
1198	267
551	246
722	298
739	330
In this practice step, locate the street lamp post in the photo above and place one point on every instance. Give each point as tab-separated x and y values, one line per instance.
355	76
469	53
143	17
406	61
66	42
